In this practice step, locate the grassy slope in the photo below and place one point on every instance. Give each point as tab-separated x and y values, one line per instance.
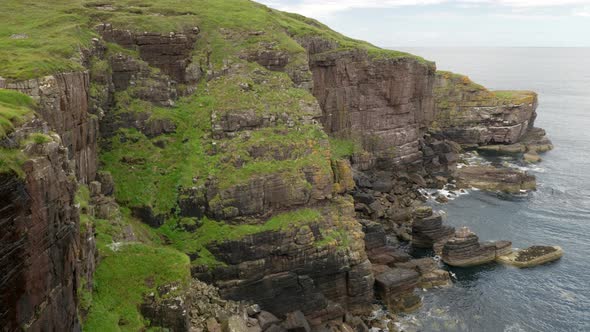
124	276
15	109
125	273
56	30
153	175
213	231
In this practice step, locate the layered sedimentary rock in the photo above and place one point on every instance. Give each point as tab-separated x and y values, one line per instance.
530	257
469	114
266	193
171	52
39	243
63	104
306	272
492	178
430	230
464	249
384	103
431	275
302	266
395	288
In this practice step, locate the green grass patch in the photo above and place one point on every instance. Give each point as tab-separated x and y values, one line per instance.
124	277
11	161
214	231
344	148
15	109
41	37
515	97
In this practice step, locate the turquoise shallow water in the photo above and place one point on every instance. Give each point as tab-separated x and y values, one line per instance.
553	297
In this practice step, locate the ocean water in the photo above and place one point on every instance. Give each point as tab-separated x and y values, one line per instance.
555	296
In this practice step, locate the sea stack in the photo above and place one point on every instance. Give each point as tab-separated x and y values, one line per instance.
465	250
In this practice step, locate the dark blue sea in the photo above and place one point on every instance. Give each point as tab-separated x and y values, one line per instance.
553	297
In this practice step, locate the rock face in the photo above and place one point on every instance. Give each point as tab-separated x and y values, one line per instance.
384	103
63	104
275	191
39	243
168	52
294	265
469	114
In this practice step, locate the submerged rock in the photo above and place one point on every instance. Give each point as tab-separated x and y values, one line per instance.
532	157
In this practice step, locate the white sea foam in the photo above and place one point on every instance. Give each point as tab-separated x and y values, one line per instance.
448	191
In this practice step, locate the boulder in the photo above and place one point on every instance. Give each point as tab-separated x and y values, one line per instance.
296	322
395	288
266	319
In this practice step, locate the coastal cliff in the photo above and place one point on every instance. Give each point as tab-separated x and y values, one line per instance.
468	113
254	150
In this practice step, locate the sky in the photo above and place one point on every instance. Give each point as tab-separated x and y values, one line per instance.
452	23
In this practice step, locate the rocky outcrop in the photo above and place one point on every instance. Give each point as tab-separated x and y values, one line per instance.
305	267
169	308
272	192
171	53
426	232
464	250
39	240
141	81
384	103
500	179
533	143
431	275
530	257
63	103
469	114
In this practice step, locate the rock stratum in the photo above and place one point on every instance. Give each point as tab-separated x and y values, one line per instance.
150	147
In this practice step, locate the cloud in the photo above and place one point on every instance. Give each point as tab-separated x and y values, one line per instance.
583	11
540	3
515	9
317	8
312	6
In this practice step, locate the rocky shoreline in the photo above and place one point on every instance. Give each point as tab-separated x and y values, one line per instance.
272	186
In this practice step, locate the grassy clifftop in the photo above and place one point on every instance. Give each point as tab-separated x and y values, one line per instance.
43	37
452	88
